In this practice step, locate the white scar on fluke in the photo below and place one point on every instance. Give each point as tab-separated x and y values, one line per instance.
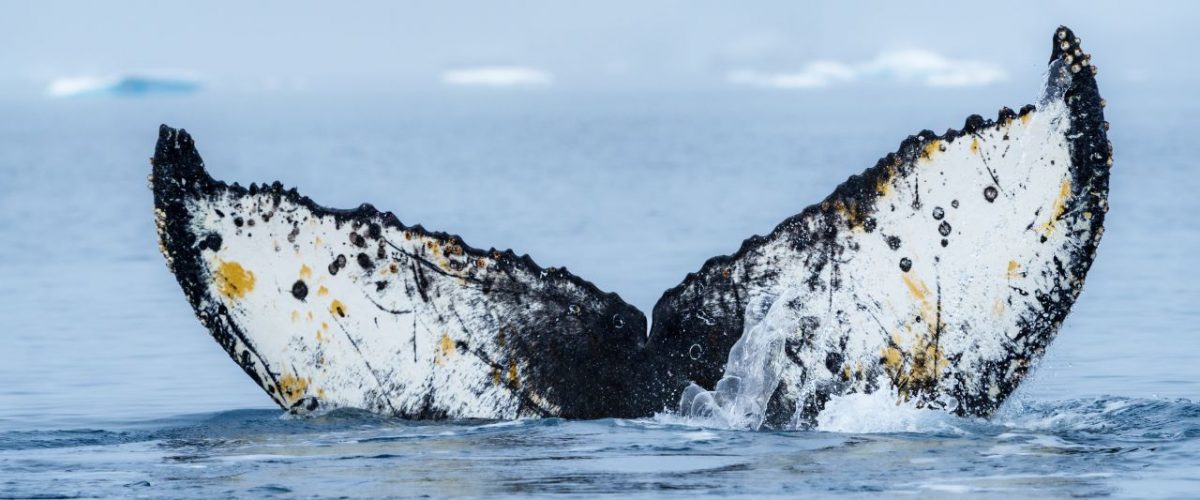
939	275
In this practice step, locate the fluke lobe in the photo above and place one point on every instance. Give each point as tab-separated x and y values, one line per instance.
939	275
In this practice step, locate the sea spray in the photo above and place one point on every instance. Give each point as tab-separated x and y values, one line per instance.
739	400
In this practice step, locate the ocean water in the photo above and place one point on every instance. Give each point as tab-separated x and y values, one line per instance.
111	388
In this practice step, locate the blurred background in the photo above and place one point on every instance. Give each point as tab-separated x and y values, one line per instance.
628	141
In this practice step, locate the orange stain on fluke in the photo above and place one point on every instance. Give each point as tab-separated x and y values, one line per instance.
445	349
233	280
512	372
891	358
291	387
1058	208
931	148
337	308
918	290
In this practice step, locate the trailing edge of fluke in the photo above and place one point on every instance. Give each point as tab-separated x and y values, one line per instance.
940	275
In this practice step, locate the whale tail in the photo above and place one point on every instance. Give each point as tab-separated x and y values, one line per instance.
939	274
329	308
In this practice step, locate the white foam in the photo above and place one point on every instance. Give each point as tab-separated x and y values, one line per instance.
880	412
701	436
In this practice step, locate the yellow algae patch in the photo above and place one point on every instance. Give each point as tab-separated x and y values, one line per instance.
917	367
1058	208
916	370
883	187
322	291
850	211
233	280
975	145
291	387
1025	118
891	358
998	307
917	288
1013	270
920	291
931	148
445	349
305	272
495	375
295	316
512	372
337	308
927	362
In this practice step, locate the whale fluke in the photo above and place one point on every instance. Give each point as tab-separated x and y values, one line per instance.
940	274
328	308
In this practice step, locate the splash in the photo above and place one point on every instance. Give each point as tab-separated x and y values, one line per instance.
882	412
741	399
752	372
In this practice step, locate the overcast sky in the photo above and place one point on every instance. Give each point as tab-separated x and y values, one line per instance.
609	44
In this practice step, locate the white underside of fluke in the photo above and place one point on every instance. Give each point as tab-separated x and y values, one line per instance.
350	341
939	276
978	227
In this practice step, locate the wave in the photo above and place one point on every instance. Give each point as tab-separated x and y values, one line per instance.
1131	420
1134	420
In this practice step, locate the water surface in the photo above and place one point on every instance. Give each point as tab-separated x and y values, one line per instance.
112	388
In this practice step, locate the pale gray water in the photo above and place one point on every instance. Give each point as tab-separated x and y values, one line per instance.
110	387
